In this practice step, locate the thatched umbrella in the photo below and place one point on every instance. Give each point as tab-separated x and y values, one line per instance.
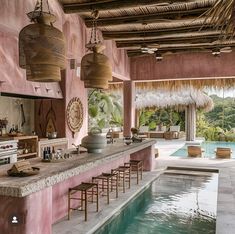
177	99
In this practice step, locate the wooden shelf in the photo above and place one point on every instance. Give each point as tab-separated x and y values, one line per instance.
27	155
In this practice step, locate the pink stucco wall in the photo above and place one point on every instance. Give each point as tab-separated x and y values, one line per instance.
34	213
12	19
183	66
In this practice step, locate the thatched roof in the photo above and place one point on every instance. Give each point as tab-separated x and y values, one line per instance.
177	99
221	15
167	25
200	84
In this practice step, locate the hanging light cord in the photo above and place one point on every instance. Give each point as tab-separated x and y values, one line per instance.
95	15
39	8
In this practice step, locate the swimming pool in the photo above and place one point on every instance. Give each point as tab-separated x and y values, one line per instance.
209	147
173	204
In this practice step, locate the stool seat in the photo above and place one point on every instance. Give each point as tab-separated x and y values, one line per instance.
122	168
83	187
106	175
135	161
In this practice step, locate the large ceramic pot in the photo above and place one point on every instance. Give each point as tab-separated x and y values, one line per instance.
94	142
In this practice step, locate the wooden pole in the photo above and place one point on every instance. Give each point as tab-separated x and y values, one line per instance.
190	122
129	106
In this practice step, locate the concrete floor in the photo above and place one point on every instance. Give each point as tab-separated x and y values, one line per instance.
225	203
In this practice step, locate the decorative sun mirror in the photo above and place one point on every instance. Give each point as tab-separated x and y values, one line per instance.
74	115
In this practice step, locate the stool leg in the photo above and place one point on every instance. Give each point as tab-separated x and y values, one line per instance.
69	206
111	184
102	185
123	181
85	205
116	186
97	198
82	199
129	177
141	172
137	174
92	192
108	190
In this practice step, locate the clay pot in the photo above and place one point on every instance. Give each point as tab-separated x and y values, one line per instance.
94	142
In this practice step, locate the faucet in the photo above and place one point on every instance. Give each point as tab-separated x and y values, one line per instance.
77	147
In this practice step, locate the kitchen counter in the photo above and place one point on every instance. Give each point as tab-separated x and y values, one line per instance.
47	191
52	173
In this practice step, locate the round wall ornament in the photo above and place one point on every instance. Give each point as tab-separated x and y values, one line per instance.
74	114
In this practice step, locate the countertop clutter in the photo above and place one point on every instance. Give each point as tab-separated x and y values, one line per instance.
53	173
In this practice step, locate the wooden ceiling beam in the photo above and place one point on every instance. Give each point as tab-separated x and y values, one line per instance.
148	18
124	35
104	5
154	43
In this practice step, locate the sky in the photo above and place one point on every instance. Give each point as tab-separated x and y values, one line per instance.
227	93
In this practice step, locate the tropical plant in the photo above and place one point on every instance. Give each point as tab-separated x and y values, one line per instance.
104	109
165	116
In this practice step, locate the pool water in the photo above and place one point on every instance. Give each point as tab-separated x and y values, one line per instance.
173	204
209	147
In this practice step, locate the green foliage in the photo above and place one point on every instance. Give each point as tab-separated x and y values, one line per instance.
217	124
104	109
152	125
167	117
145	116
223	114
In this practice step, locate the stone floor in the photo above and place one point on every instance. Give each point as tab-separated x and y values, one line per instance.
226	192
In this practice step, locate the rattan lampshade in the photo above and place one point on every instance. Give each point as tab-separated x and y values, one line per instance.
42	49
96	70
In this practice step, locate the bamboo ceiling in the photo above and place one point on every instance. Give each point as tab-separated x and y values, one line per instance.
167	25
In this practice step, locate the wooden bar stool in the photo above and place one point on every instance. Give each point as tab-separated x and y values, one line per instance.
87	190
124	175
136	167
109	181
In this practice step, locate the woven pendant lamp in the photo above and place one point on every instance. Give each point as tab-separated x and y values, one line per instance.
96	70
42	47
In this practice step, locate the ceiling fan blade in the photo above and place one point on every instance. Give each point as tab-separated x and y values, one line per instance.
227	49
151	52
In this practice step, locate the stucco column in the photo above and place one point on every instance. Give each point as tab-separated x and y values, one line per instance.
190	122
129	106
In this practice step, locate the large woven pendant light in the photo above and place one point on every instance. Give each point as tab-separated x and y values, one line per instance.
42	47
96	70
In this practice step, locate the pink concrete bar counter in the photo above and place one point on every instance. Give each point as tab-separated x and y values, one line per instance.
39	201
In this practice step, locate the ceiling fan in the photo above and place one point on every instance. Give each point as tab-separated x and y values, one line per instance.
146	50
144	47
217	51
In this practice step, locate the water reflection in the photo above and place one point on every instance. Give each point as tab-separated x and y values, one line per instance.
174	204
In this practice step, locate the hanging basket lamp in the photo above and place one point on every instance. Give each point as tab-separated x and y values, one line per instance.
42	47
96	70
